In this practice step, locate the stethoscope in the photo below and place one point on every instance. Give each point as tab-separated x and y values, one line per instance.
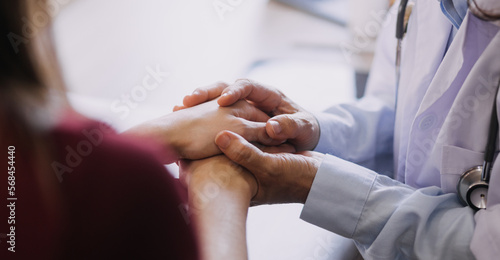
472	187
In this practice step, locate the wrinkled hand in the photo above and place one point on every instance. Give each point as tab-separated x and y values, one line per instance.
289	121
281	177
191	132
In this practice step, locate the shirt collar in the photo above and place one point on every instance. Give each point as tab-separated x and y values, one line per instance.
455	11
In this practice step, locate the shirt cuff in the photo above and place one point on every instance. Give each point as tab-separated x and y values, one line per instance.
338	195
326	142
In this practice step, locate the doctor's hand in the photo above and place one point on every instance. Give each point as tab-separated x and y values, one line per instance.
281	177
289	121
191	132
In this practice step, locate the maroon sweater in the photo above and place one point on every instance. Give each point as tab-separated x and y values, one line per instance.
107	197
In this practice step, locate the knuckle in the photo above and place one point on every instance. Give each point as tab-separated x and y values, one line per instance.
263	137
247	157
243	128
273	167
253	132
220	84
241	156
243	81
290	123
243	84
308	127
200	90
304	123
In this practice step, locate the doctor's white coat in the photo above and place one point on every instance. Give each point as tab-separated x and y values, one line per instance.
438	131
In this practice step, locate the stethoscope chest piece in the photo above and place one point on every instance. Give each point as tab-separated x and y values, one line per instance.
472	190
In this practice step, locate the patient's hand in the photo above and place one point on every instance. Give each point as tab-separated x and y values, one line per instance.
217	171
290	122
191	132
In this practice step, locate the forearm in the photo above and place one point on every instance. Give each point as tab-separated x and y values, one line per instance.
219	193
222	226
161	131
220	209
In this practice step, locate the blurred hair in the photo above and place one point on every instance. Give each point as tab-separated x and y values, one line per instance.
15	65
29	81
29	73
28	66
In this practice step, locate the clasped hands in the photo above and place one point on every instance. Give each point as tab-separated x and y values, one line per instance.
252	135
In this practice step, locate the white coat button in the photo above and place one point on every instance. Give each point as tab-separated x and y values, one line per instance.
427	122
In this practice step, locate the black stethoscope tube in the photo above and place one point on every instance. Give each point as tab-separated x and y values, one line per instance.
400	32
492	141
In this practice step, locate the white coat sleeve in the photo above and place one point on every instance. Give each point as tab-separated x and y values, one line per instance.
358	131
388	219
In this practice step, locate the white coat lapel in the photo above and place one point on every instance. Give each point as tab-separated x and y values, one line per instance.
423	50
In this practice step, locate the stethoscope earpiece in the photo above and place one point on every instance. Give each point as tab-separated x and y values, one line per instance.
472	189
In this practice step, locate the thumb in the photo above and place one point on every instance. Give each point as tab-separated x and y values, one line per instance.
300	129
240	151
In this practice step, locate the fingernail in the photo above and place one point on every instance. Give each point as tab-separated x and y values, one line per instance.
223	141
276	127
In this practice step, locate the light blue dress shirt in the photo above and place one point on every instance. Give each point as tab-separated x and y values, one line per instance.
455	10
416	216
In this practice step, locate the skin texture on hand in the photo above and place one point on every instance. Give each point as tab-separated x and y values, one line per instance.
282	177
219	194
289	121
191	131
